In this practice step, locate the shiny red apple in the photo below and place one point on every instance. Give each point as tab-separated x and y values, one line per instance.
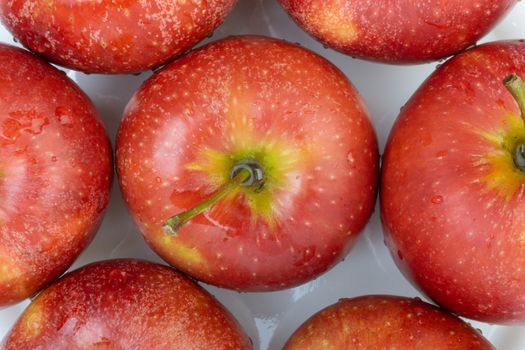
385	322
126	304
123	36
55	173
398	31
453	185
265	150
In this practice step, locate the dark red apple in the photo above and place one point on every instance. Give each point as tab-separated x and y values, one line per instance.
55	173
398	31
453	185
122	36
126	304
272	149
385	322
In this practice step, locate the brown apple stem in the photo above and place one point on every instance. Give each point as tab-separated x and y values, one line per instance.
247	173
516	87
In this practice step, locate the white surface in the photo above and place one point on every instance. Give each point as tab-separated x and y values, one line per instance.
270	318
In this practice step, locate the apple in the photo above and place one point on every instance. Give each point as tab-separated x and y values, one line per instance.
249	164
55	173
123	36
453	184
398	31
385	322
126	304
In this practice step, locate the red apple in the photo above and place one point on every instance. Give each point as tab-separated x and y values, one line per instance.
55	173
398	31
122	36
453	184
385	322
272	149
126	304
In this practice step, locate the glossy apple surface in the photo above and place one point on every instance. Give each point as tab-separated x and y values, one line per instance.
123	36
398	31
55	173
126	304
452	193
250	99
385	322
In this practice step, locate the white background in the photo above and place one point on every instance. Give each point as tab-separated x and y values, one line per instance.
270	318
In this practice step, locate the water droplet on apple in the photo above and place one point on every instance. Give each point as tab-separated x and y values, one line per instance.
63	115
37	124
350	158
54	159
436	199
65	120
158	180
441	154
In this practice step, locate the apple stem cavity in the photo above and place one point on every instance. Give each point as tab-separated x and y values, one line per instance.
516	87
245	173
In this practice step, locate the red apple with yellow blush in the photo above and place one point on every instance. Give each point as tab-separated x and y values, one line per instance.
398	31
120	36
250	164
453	184
126	304
55	173
385	322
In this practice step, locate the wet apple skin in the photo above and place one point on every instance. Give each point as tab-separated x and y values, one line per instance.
126	304
451	197
385	322
398	31
250	97
124	36
55	173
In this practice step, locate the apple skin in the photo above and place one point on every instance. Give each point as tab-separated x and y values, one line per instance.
398	31
256	98
55	173
126	304
124	36
385	322
451	196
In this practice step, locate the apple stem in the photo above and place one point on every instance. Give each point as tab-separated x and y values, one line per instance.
516	87
247	173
